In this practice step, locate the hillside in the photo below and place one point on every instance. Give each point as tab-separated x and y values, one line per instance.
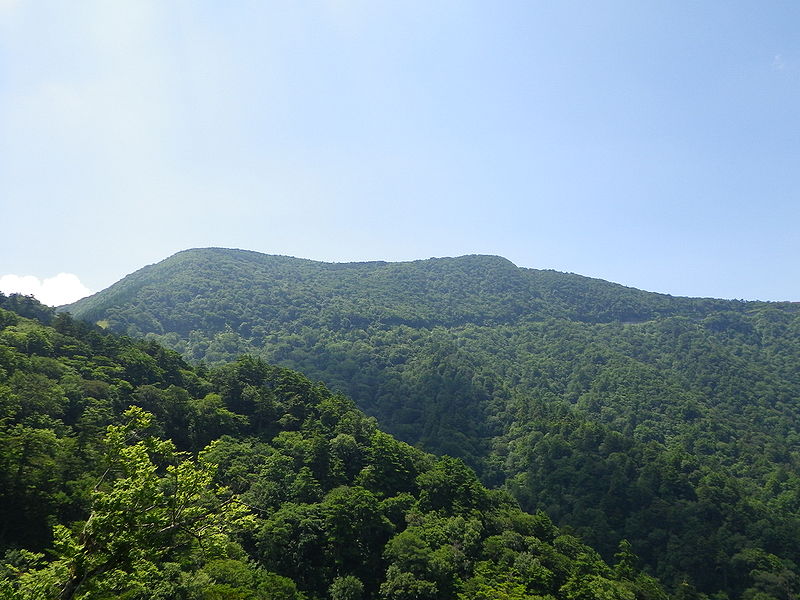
624	414
126	473
256	291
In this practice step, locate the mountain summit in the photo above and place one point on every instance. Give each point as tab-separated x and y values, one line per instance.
170	296
667	421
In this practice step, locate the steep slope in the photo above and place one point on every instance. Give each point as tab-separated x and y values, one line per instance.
177	293
247	481
668	421
212	289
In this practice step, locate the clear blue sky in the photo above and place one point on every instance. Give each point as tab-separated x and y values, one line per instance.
655	144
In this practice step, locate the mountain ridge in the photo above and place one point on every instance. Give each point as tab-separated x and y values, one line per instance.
145	478
346	265
527	285
667	421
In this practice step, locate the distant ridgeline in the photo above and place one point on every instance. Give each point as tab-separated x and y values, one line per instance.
669	422
126	473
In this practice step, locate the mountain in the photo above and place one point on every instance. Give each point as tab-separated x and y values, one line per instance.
127	473
264	290
670	422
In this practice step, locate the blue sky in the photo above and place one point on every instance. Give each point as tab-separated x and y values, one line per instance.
655	144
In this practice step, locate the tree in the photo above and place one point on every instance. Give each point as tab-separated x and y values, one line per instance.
625	567
451	485
356	530
150	505
347	588
401	585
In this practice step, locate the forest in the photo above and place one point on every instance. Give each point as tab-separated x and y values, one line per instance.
128	473
621	414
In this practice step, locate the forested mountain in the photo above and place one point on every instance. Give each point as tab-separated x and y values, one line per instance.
126	473
670	422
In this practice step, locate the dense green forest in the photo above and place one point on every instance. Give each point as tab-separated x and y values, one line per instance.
127	473
669	422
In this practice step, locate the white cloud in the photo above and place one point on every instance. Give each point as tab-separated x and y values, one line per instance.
54	291
778	63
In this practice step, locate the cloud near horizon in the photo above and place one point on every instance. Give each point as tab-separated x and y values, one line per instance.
53	291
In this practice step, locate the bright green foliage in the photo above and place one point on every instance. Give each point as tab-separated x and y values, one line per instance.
669	422
347	588
492	583
625	567
451	486
300	497
139	518
402	585
237	579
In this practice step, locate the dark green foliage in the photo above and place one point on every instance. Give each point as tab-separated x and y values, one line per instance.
298	496
666	421
670	422
26	306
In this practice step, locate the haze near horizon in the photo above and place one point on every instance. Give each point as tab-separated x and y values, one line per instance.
650	145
